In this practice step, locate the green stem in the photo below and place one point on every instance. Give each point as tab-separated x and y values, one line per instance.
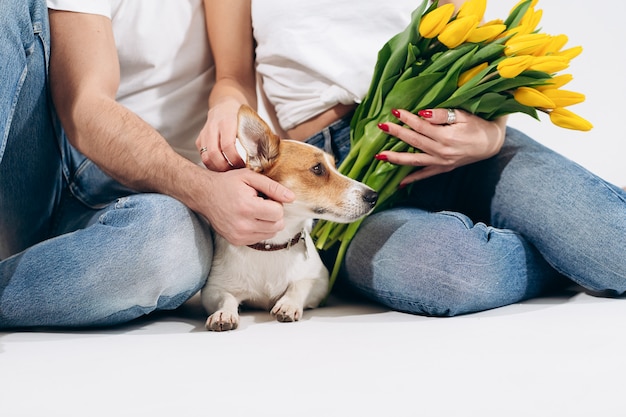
349	234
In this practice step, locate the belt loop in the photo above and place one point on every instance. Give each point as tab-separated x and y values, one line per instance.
328	140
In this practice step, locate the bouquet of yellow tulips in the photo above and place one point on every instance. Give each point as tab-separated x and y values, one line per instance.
448	60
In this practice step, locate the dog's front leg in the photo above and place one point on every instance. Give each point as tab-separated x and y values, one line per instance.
301	294
225	308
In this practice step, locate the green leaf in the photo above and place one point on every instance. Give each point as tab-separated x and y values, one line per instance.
495	86
487	103
444	60
377	101
446	86
487	53
393	56
516	15
413	55
539	75
407	94
509	107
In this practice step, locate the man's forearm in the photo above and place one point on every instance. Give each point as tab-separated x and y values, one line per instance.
128	149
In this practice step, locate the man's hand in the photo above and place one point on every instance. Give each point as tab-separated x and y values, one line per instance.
233	204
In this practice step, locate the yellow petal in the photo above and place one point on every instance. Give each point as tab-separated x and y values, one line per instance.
526	44
571	53
485	33
514	66
557	81
457	31
531	19
563	98
569	120
494	22
556	43
533	98
471	73
474	8
527	23
549	64
433	23
517	30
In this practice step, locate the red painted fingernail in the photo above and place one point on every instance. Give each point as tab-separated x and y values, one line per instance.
395	112
383	126
401	186
381	157
426	114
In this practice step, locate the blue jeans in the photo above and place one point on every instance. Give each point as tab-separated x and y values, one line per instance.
76	247
493	233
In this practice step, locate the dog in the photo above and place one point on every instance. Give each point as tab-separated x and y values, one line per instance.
284	274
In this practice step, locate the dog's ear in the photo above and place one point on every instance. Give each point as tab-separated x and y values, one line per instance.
260	143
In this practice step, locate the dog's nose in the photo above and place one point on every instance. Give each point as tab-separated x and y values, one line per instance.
370	197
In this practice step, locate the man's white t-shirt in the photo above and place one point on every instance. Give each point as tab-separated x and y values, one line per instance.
312	55
166	66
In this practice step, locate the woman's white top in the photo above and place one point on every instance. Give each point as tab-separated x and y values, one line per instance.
314	54
167	69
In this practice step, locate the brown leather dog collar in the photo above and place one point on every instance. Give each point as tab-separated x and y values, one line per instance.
273	246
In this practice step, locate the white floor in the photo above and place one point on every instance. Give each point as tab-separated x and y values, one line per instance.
558	356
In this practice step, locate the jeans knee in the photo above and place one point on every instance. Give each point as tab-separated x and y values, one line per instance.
429	296
167	243
441	264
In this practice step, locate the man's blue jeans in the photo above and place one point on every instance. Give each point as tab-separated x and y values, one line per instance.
489	234
77	248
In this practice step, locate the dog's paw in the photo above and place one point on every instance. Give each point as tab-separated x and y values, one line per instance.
285	312
221	321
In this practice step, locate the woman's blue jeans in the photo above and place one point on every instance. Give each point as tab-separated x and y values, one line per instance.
77	248
489	234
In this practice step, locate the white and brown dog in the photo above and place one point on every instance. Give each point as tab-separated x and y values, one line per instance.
285	273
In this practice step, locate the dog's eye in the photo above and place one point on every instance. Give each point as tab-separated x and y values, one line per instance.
318	169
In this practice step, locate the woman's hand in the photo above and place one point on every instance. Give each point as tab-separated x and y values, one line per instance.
216	141
444	146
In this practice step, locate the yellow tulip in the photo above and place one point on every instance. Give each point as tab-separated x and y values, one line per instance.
457	31
517	31
471	73
549	64
571	53
474	8
511	32
514	66
569	120
531	19
494	22
433	23
557	81
554	46
533	98
527	23
485	33
526	44
563	98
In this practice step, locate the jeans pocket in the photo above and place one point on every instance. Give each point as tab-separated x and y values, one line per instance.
93	187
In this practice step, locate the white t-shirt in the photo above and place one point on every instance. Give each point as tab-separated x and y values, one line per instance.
312	55
167	69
